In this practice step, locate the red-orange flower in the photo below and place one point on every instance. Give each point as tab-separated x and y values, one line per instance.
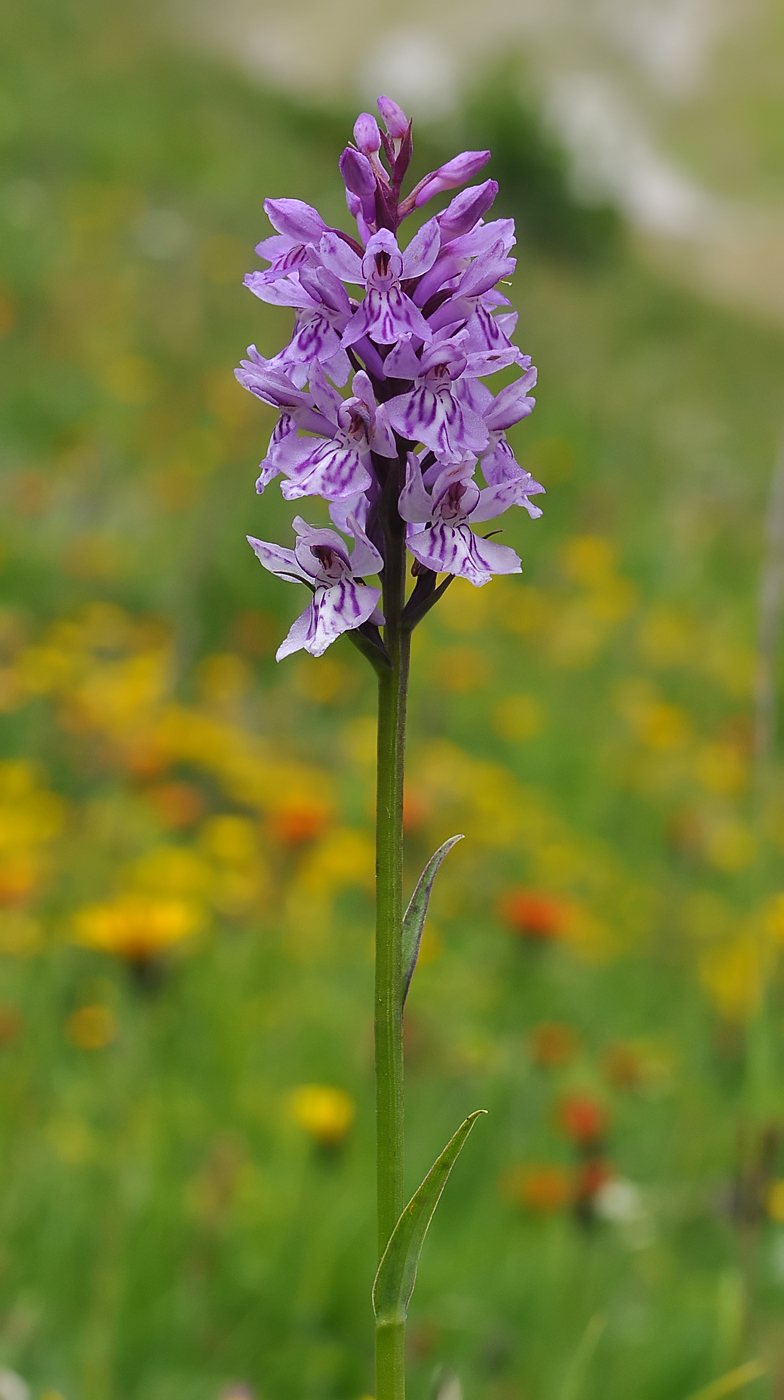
296	821
543	1187
533	914
582	1119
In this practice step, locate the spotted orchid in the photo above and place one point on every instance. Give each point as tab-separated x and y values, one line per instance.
385	411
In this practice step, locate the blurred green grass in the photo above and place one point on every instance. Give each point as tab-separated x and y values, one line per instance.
166	1225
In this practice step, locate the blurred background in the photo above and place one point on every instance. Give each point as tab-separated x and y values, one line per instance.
186	856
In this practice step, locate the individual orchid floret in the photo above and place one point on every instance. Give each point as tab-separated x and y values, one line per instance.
367	134
450	176
298	228
341	600
500	468
439	533
270	383
337	467
387	313
323	311
465	210
436	411
393	117
340	466
360	180
514	402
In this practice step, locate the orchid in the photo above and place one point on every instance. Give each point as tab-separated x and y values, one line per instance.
341	598
439	536
418	327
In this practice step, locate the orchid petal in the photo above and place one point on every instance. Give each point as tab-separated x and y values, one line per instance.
274	558
422	251
295	219
340	259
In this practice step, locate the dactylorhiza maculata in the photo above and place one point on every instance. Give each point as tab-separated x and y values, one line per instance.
381	393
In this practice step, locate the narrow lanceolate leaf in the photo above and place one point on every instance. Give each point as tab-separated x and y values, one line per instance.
414	917
397	1271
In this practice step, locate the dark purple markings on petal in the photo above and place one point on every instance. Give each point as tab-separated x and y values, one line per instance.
333	470
314	339
415	416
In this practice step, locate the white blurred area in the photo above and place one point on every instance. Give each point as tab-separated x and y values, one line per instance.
611	78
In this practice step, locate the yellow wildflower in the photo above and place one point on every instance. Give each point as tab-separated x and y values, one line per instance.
588	560
342	858
324	1112
729	845
666	638
732	976
136	926
721	768
170	870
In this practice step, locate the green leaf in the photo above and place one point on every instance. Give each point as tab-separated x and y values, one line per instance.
394	1282
414	917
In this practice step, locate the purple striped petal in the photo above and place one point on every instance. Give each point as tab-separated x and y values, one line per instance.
274	558
386	316
332	469
333	611
449	549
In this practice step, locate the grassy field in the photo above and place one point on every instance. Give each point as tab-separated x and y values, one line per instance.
186	828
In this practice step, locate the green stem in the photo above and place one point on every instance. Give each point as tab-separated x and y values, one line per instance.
392	691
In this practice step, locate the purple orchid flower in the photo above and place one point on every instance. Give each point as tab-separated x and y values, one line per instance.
447	177
299	228
323	311
500	468
499	465
387	313
435	412
439	535
428	324
336	467
341	599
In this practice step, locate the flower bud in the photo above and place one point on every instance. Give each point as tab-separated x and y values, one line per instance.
454	173
466	209
357	173
393	117
367	134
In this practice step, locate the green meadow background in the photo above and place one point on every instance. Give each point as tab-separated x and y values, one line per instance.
186	827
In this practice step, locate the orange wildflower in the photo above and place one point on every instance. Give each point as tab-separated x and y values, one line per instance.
533	915
543	1188
299	820
582	1119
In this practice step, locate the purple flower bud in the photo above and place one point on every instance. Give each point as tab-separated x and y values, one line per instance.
393	117
357	173
367	134
466	209
449	176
